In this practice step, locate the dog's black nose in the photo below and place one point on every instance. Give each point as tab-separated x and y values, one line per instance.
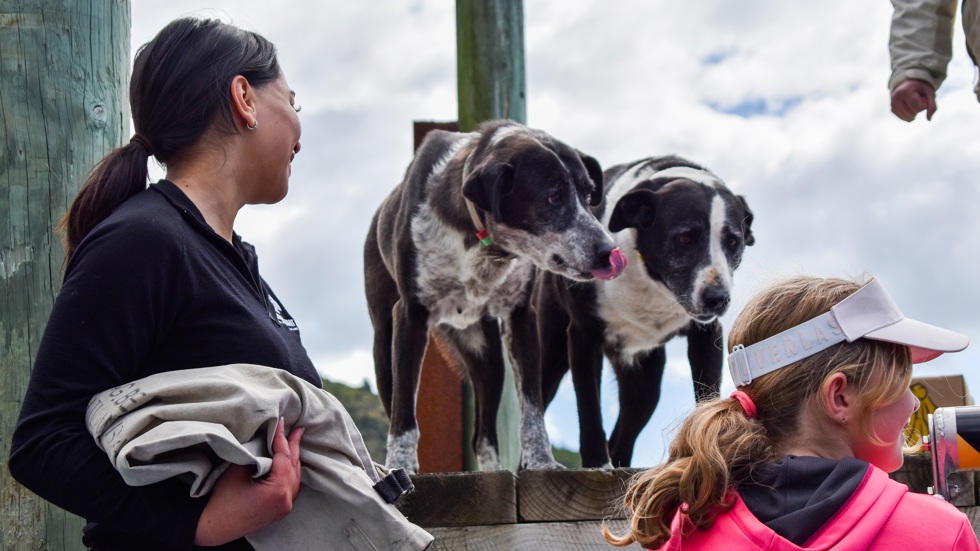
602	251
715	298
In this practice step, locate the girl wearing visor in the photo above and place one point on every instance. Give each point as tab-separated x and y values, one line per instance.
797	457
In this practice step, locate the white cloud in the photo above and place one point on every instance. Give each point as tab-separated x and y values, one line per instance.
353	368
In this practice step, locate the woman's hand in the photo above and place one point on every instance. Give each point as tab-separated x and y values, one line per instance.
240	505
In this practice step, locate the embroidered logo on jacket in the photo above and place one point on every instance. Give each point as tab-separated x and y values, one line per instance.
281	316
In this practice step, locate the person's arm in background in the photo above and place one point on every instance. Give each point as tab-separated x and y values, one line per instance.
920	46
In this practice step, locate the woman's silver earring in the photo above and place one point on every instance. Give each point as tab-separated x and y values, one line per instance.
254	125
842	420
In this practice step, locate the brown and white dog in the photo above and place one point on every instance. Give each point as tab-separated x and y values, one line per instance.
684	232
426	270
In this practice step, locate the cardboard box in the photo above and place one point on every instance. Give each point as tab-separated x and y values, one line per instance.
937	392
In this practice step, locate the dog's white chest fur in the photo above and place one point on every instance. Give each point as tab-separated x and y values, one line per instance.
640	313
460	285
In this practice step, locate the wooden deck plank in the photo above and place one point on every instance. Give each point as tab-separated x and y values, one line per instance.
568	536
462	499
571	495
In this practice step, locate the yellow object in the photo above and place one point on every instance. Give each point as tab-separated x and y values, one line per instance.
969	456
919	424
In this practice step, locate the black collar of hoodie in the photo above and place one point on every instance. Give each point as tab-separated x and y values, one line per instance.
796	496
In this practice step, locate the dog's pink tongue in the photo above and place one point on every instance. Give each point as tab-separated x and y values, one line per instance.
617	261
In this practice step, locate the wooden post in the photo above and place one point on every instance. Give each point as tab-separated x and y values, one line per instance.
439	407
64	66
490	61
491	85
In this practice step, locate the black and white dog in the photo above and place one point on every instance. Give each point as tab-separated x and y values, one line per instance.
684	232
453	249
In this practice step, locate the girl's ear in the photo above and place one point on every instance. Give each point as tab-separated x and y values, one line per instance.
243	101
839	398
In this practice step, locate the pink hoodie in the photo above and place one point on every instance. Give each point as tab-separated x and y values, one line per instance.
881	515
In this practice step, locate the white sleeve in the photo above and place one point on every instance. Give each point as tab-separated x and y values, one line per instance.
921	40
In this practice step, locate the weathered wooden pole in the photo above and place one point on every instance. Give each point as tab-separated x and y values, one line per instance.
490	61
491	85
63	105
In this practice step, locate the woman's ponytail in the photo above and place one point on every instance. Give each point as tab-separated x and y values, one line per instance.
120	175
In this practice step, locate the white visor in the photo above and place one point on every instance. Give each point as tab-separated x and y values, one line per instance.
868	313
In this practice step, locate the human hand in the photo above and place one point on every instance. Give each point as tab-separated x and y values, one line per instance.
241	505
912	96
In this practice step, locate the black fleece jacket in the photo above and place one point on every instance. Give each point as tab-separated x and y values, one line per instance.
152	288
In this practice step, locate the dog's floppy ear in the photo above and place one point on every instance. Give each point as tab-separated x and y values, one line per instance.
487	183
747	222
594	170
636	209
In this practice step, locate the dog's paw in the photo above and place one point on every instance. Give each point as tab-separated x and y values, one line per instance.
487	458
542	466
409	466
403	452
537	455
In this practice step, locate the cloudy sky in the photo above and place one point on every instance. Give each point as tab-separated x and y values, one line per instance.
785	101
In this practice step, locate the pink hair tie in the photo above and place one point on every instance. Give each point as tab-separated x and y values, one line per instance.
747	404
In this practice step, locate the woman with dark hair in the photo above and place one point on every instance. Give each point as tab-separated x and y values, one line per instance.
156	280
797	457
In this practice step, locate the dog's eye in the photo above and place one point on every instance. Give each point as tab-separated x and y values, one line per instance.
684	239
554	198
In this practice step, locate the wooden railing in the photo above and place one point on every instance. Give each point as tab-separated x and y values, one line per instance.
536	510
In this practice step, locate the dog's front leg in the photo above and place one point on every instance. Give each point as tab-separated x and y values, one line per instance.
409	338
520	336
479	349
639	393
585	358
704	352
